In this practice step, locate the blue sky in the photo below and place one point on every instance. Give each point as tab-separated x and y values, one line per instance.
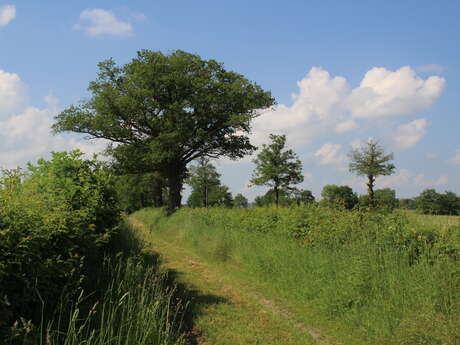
340	71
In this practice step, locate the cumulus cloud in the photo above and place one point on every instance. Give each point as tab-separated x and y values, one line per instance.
25	130
421	181
408	135
316	107
456	158
346	126
100	22
329	154
325	103
402	177
384	93
7	14
431	68
406	177
12	93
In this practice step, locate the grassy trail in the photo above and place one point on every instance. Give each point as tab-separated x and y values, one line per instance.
227	309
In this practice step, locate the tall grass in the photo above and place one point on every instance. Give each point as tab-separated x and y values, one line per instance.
379	276
131	303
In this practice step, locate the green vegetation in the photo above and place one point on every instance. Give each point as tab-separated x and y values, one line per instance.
165	111
431	202
276	168
72	271
59	226
366	277
286	198
136	191
370	161
384	199
206	187
339	196
240	201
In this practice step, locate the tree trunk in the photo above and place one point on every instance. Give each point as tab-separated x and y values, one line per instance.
158	192
277	196
175	182
370	189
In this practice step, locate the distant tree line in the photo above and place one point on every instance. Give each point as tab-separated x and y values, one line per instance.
432	202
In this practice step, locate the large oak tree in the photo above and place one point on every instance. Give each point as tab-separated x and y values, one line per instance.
164	111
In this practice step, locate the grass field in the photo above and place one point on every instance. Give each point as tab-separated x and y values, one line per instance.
360	278
441	223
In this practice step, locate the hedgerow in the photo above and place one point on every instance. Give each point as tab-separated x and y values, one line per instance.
56	220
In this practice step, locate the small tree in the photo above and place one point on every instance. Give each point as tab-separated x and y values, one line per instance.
276	168
371	161
240	201
302	196
206	186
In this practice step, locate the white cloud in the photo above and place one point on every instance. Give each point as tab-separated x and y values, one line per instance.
325	103
408	135
431	68
316	107
407	177
456	158
346	126
402	177
7	14
100	22
330	154
25	130
385	93
421	181
12	93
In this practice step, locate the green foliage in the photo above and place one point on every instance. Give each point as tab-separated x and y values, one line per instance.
136	191
339	196
294	197
407	204
206	186
55	221
382	278
276	168
385	200
432	202
371	161
240	201
167	110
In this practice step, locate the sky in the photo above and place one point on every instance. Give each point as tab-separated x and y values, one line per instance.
341	72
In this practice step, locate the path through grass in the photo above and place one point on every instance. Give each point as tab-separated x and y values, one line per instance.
238	312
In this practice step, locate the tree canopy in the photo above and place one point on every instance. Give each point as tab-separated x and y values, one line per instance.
240	201
432	202
371	161
384	199
339	196
164	111
276	168
295	196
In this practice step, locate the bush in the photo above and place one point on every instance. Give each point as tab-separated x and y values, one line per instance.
56	219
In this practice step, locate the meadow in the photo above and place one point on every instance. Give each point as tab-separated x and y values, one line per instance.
368	278
74	270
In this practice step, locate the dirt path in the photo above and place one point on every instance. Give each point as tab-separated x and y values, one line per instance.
227	310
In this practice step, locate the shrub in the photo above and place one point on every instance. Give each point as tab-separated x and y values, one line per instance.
55	221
